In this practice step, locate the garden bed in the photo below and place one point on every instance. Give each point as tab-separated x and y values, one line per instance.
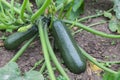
103	49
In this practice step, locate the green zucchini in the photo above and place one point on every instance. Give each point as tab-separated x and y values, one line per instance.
68	48
16	39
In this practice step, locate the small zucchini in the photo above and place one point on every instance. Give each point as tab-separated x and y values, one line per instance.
68	48
16	39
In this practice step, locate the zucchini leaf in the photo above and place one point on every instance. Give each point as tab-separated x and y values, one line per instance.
77	8
77	5
117	8
114	25
39	3
33	75
73	7
58	2
12	72
109	76
108	14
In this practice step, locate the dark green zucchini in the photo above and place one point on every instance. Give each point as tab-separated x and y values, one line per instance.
68	48
16	39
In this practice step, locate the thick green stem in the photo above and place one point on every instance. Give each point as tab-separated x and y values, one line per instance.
45	51
53	57
40	11
96	32
20	52
23	9
4	27
90	58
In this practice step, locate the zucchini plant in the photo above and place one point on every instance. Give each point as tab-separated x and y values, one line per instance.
50	17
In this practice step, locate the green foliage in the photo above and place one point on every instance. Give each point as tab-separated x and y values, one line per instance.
73	7
107	14
110	76
33	75
24	28
77	4
76	8
117	8
12	72
39	3
9	72
58	2
114	25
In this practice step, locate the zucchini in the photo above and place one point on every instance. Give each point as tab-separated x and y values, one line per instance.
16	39
68	48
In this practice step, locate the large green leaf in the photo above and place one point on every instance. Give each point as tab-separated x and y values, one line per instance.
74	8
39	3
117	8
33	75
12	72
117	77
110	76
9	72
58	2
114	25
77	9
77	4
108	14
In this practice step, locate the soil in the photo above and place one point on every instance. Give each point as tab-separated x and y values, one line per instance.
99	47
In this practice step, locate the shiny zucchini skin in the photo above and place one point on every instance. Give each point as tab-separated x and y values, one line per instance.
16	39
68	48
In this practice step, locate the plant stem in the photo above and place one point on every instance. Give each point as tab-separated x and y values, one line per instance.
4	27
53	57
16	10
24	4
12	7
28	8
90	58
94	24
60	13
109	62
42	68
36	64
88	17
40	11
93	16
20	52
96	32
101	22
45	51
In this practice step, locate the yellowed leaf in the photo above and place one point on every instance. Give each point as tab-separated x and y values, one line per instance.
94	68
